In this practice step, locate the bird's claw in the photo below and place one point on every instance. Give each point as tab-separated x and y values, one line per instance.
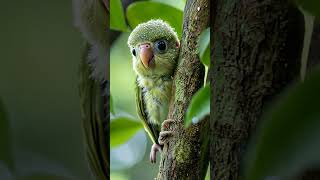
166	131
166	124
153	153
163	138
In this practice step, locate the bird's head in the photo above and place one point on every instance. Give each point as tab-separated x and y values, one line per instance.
154	46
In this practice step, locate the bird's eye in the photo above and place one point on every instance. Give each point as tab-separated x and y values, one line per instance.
134	52
161	46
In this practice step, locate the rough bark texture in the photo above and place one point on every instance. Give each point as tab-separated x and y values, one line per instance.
184	156
257	48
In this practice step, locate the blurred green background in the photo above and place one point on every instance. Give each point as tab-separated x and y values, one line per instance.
40	52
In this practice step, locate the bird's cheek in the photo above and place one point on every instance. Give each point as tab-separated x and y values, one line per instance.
138	65
152	63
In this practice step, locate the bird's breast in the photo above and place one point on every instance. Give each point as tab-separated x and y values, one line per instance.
157	100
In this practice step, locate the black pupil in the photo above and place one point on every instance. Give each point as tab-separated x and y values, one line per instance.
161	45
134	52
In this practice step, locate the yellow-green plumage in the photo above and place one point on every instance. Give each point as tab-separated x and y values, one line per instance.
153	85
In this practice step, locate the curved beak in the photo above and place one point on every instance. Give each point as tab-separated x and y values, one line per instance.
146	55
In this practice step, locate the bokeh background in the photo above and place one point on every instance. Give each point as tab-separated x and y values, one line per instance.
40	53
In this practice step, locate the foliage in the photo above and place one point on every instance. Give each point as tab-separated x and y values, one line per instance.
123	128
111	105
312	6
309	21
154	10
204	47
199	106
288	140
179	4
143	11
117	20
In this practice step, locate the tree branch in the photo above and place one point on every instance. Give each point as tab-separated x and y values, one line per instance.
183	156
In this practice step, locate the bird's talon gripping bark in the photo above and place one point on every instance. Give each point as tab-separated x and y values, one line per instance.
166	124
163	137
153	153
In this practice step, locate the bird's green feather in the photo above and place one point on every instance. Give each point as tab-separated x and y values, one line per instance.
152	129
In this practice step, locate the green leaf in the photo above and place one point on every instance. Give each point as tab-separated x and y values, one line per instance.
117	20
111	105
208	173
312	6
199	106
288	140
118	176
122	129
140	12
204	47
309	20
179	4
5	140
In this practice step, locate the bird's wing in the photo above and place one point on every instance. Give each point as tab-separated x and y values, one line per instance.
153	130
94	114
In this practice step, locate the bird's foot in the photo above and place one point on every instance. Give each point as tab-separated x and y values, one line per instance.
164	135
166	131
153	153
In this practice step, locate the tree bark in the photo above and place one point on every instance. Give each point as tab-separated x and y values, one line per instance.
184	157
257	49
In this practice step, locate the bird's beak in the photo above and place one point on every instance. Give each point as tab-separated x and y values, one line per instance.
146	55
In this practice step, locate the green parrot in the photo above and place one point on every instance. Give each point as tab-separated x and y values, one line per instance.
154	46
92	19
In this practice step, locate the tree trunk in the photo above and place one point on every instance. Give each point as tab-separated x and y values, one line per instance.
184	157
257	49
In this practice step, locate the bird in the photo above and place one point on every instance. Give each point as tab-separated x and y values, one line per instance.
155	47
91	17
